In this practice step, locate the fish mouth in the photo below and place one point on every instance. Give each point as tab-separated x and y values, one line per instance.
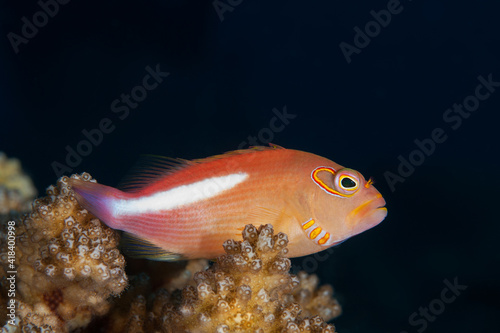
368	215
363	217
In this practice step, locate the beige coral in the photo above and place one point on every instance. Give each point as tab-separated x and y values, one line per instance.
315	300
247	290
67	263
16	188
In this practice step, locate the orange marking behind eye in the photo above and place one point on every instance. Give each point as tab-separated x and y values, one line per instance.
320	182
315	232
325	238
325	187
308	224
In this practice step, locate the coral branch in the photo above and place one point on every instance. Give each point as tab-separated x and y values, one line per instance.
16	188
247	290
67	261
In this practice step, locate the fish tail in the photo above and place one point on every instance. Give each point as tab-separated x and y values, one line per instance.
97	199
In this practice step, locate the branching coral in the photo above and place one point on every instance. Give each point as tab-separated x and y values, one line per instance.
247	290
67	263
313	300
16	188
69	267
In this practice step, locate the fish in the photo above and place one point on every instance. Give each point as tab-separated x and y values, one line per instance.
176	209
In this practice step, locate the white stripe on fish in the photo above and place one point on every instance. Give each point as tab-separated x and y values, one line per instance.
177	197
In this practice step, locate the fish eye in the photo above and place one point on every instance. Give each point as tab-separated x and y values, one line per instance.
347	183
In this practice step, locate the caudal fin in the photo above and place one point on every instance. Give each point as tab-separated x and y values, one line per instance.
97	199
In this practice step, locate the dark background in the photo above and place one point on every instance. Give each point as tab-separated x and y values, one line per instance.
225	79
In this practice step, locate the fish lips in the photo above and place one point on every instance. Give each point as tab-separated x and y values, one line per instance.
362	218
367	215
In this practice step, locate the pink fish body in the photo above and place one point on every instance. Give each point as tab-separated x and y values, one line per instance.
188	211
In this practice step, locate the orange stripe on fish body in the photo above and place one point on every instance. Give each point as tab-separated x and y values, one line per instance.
308	224
315	233
187	209
324	239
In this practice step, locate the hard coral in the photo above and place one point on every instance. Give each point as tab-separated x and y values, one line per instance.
67	263
247	290
314	300
16	188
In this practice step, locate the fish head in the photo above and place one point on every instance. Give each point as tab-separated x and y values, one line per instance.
344	204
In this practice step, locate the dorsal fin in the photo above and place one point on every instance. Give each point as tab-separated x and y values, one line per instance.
151	168
250	150
136	247
148	169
